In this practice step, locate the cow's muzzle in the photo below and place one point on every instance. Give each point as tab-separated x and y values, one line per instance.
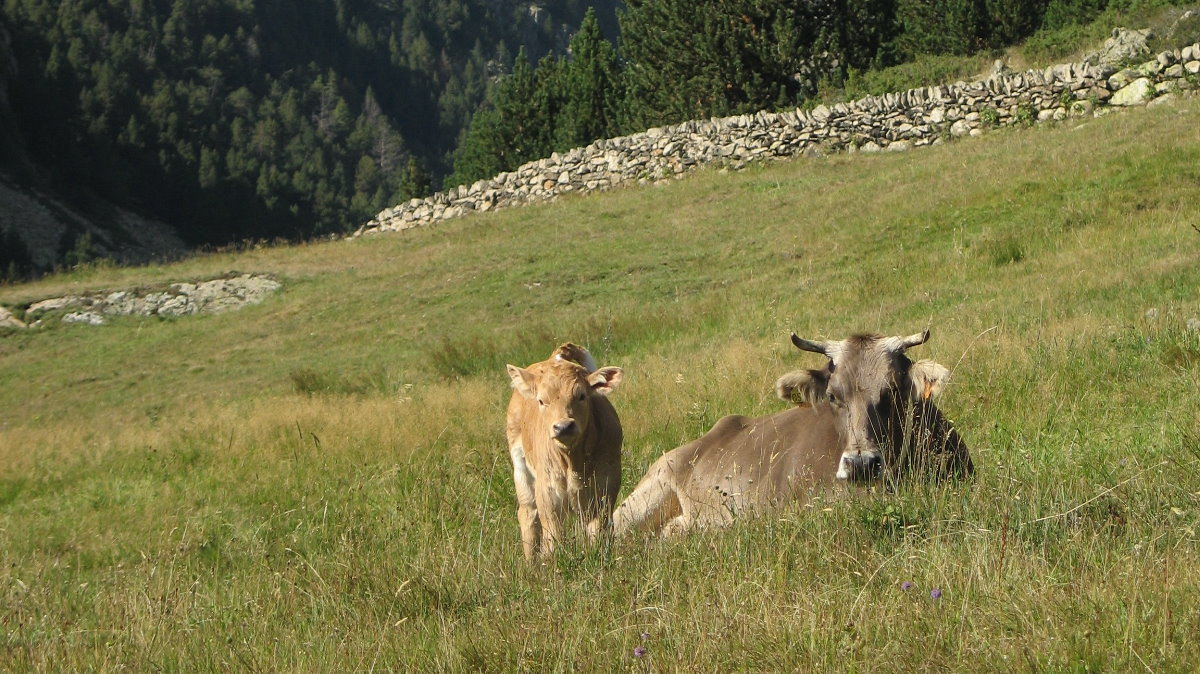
860	468
565	429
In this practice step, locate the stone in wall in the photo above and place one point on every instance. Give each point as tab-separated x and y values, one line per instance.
1136	92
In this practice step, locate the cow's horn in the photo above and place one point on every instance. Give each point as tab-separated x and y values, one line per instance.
911	340
815	347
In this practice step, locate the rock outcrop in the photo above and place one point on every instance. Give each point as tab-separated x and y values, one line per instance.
1125	44
7	320
177	299
895	121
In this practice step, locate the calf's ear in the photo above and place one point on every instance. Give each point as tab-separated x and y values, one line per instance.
522	381
606	379
802	386
928	379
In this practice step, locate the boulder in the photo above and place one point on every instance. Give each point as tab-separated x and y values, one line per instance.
7	320
1123	45
1164	99
1136	92
85	317
54	304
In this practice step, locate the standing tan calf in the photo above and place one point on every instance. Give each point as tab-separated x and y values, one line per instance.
565	441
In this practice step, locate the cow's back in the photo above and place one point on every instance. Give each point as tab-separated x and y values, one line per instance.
743	464
759	461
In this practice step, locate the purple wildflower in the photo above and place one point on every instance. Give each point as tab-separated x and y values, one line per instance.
935	593
639	651
906	586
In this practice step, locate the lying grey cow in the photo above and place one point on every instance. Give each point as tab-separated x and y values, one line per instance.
867	415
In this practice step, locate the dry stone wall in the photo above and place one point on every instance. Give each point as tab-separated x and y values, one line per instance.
895	121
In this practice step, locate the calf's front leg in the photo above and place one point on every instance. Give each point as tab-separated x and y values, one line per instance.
550	517
527	510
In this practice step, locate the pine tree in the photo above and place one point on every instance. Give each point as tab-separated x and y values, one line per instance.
415	182
508	133
591	84
856	33
941	26
1012	20
16	263
688	59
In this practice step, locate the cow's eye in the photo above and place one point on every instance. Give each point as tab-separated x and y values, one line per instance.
541	402
580	396
833	398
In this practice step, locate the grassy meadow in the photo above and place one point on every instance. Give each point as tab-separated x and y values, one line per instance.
321	483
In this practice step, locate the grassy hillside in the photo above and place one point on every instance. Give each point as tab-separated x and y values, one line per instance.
320	482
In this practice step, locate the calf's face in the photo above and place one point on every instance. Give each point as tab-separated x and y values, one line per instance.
871	384
562	390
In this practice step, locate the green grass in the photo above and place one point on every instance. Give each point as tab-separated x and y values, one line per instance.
320	482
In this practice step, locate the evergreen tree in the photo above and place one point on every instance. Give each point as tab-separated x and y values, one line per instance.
1059	13
508	133
855	33
591	86
416	181
1010	21
16	264
941	26
546	106
688	59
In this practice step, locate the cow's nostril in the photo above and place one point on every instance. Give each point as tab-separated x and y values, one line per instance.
874	466
565	428
861	467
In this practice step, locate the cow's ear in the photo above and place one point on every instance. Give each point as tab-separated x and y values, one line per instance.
802	386
522	381
928	379
606	379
